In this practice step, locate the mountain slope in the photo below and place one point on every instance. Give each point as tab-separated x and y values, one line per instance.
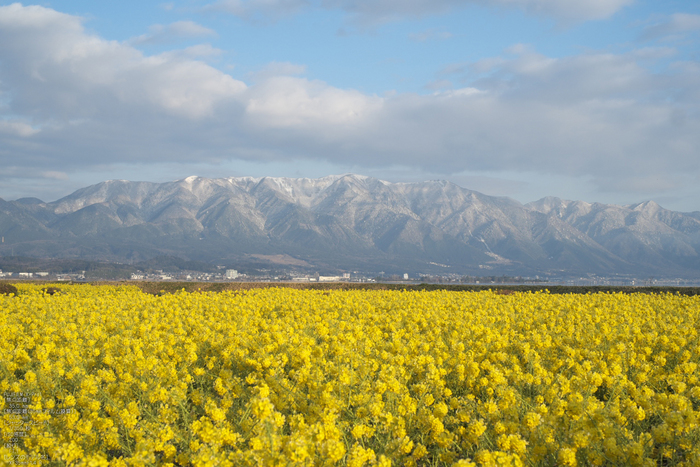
354	222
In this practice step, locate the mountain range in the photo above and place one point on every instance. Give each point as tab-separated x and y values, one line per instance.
353	222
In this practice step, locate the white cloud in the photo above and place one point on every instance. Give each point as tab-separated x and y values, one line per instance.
672	26
568	10
17	128
259	10
459	92
381	11
159	33
56	71
199	51
602	116
285	101
54	175
373	12
278	69
439	84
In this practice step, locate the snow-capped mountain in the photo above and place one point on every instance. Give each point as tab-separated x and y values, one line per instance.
354	222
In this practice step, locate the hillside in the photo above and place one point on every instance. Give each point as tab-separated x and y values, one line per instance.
353	222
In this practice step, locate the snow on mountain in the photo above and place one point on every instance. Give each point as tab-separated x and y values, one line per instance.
351	220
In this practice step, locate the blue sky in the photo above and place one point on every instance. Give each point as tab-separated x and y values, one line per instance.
595	100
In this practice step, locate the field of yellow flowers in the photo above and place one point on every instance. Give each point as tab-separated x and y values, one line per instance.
106	375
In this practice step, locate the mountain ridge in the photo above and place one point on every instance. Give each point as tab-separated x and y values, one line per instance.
349	222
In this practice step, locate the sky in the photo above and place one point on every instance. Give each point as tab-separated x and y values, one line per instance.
593	100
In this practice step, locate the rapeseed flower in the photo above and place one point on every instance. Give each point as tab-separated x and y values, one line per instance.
289	377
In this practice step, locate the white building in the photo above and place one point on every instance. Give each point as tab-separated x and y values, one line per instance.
231	274
328	278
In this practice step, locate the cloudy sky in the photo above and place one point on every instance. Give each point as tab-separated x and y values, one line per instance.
597	100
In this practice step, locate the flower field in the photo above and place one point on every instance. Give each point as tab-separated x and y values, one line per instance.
106	375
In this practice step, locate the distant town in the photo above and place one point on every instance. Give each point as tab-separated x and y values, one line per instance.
232	275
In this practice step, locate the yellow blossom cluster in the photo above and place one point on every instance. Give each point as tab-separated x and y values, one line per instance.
285	377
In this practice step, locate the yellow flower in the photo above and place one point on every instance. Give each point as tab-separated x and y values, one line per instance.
567	456
286	377
475	430
464	463
532	420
